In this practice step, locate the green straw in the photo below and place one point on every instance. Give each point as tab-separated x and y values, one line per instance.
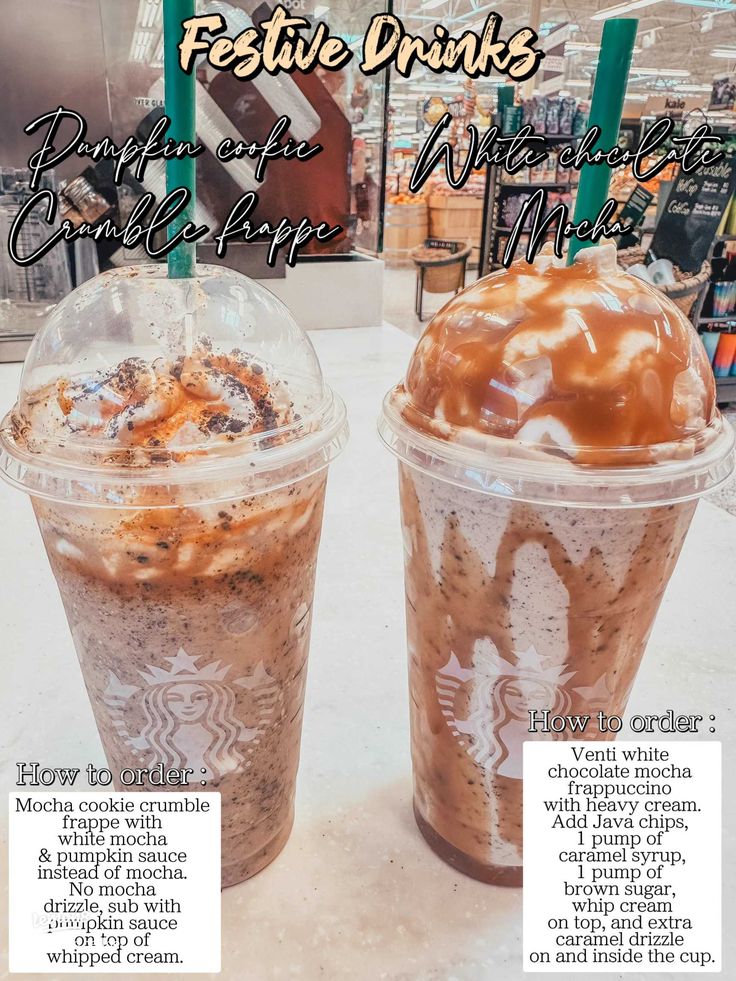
506	95
617	47
180	102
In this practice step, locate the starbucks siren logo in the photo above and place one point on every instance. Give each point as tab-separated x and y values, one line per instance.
498	696
191	714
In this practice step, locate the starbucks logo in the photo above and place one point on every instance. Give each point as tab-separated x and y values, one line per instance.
497	695
192	715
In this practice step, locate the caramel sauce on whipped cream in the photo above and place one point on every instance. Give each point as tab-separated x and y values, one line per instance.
181	404
163	415
580	360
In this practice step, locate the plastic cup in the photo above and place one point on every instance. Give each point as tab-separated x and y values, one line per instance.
725	355
550	464
641	272
662	272
710	340
182	522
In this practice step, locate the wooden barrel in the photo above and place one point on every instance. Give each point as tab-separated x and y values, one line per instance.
405	227
457	216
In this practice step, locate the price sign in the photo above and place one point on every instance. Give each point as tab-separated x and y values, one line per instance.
692	214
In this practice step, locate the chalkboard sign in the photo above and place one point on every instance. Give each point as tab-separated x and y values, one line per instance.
632	212
694	208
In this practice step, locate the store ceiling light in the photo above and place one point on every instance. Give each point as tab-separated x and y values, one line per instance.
474	13
151	14
660	72
723	53
588	46
713	4
431	4
709	17
623	8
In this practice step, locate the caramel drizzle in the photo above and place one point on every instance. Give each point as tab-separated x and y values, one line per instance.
459	372
608	625
180	404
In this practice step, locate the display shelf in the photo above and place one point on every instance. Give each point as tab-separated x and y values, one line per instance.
554	137
726	389
496	187
504	230
526	185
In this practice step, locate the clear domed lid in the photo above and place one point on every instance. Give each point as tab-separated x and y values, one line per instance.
554	372
136	378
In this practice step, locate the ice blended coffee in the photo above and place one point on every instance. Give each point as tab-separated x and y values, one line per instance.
179	491
554	431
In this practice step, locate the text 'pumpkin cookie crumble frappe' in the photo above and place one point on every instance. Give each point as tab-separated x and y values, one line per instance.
174	436
554	431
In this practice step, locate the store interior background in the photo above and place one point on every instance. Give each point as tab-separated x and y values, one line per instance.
104	59
681	48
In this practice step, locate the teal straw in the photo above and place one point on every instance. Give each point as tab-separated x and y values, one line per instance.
506	95
612	76
180	103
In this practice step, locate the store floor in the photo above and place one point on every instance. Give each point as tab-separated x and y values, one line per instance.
399	290
398	309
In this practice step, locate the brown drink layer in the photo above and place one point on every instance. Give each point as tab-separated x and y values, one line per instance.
192	629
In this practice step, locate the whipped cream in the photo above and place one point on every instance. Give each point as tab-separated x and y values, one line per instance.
181	403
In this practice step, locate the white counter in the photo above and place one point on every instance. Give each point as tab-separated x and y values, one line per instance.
357	894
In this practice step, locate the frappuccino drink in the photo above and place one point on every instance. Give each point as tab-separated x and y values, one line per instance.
174	436
554	431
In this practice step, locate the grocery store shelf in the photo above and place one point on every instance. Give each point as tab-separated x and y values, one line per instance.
498	190
726	389
554	137
730	319
525	185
